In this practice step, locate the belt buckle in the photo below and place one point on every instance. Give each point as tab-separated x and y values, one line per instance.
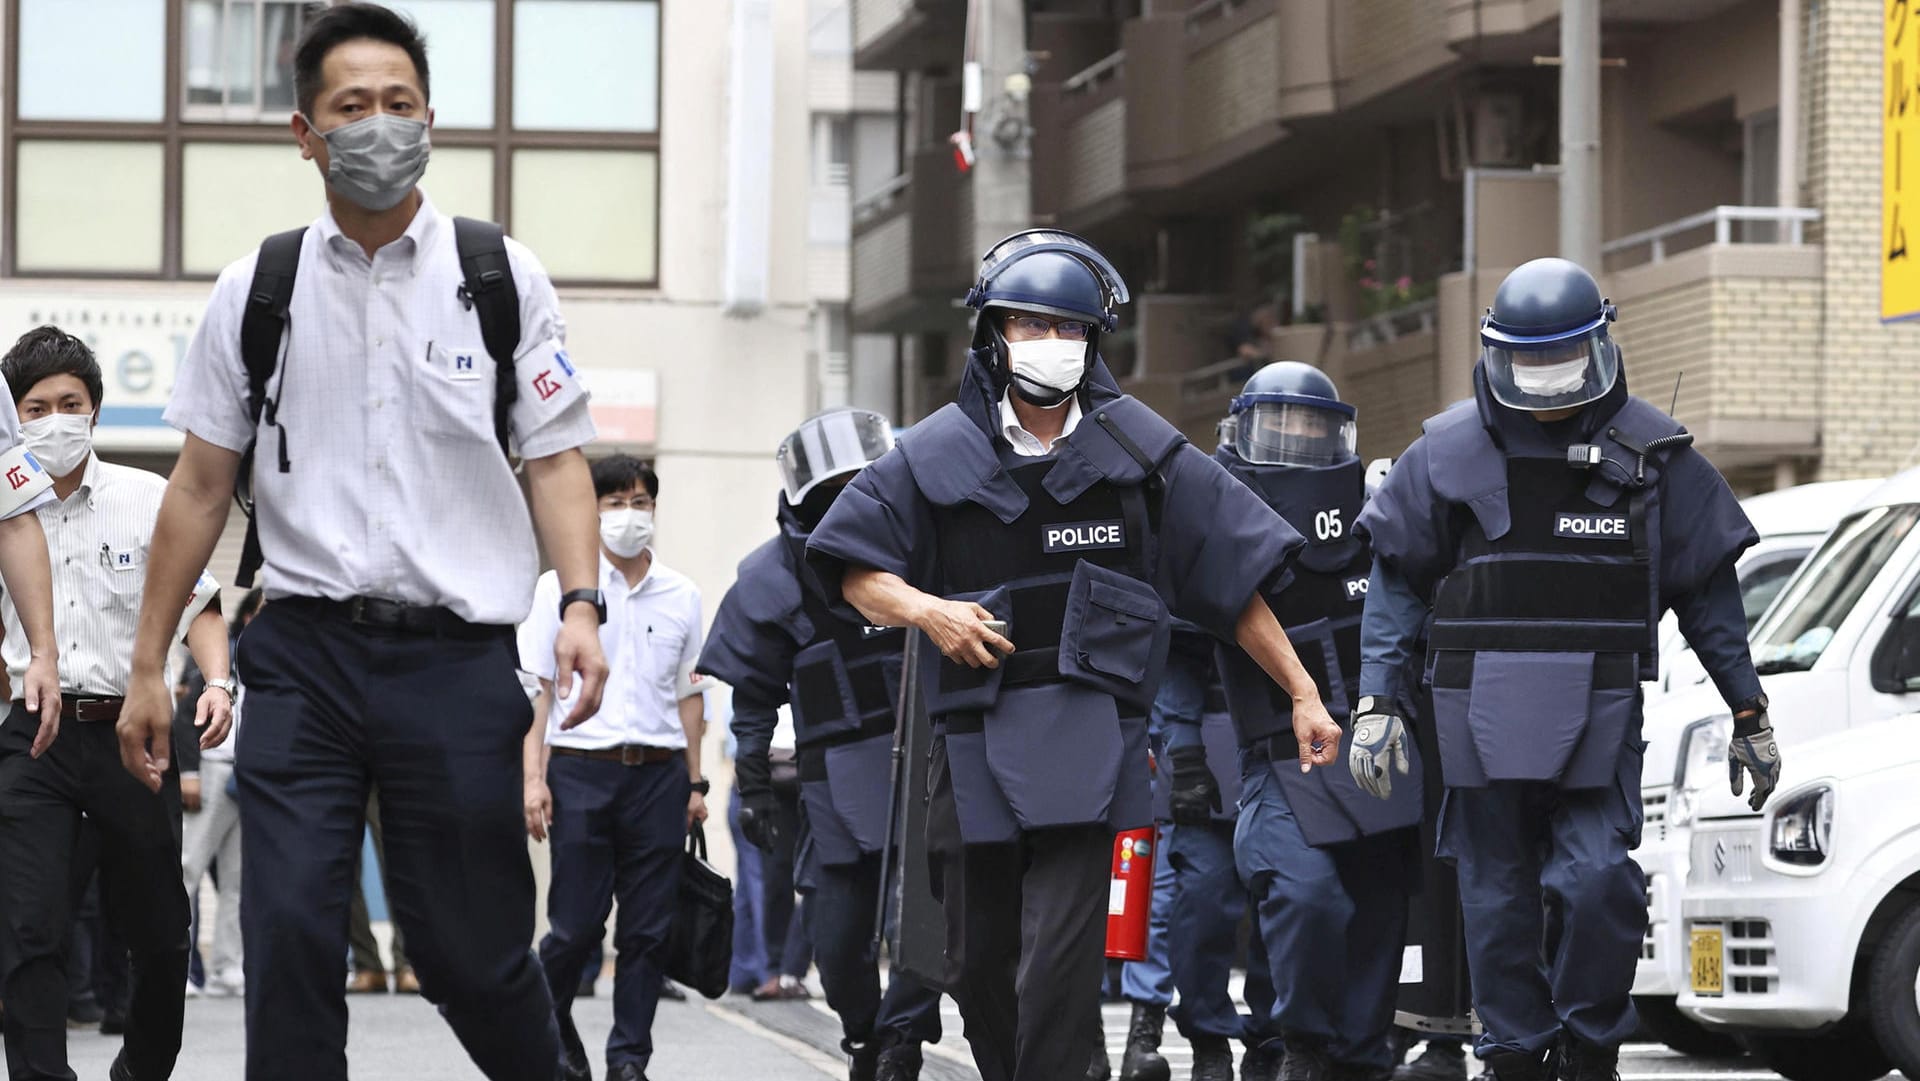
632	755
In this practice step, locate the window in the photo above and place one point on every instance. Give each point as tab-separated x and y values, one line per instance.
1762	582
119	166
832	150
1796	629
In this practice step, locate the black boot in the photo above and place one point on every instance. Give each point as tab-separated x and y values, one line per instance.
1212	1059
1306	1060
900	1062
1519	1066
1442	1060
1099	1069
863	1059
1262	1061
1143	1061
1584	1062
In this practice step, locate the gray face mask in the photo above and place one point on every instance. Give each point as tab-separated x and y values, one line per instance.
375	162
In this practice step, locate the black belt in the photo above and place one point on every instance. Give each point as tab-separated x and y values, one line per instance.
627	754
394	617
88	707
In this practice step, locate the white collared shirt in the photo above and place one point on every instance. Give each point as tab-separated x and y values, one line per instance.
396	487
1025	443
97	541
652	638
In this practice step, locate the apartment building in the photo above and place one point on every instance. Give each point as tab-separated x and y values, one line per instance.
1345	182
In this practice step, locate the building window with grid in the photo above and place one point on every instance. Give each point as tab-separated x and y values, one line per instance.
149	138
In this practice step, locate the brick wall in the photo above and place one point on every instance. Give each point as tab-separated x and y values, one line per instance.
1232	85
1869	392
1096	145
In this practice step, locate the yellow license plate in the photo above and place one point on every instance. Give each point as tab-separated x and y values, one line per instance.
1709	962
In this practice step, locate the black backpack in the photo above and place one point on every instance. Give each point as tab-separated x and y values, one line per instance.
488	291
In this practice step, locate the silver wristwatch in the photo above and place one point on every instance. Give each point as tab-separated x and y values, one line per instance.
228	685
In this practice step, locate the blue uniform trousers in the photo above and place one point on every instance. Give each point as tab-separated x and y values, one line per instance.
750	965
435	722
1202	929
1150	982
617	831
1333	921
841	913
1555	908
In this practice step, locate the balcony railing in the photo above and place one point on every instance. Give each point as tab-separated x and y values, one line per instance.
1096	74
1792	220
876	203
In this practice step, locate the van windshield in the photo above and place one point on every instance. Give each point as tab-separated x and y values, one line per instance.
1797	628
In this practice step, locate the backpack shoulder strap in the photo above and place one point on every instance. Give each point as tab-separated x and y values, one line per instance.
490	292
263	323
264	320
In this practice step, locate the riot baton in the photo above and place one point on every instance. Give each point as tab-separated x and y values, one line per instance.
896	786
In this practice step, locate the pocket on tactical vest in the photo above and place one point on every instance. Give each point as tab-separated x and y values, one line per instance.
1116	634
823	702
861	774
955	688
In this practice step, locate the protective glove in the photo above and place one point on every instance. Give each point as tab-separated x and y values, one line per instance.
759	807
1196	796
1759	755
1377	747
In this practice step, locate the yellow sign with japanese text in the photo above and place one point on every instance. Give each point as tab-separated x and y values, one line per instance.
1900	162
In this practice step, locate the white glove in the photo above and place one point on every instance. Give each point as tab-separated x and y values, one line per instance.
1378	747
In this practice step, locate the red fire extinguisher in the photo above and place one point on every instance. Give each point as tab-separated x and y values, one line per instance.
1130	894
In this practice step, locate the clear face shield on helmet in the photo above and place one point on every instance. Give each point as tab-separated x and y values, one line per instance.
831	445
1557	374
1287	429
1022	244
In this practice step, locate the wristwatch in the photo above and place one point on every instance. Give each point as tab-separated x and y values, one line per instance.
703	786
584	596
228	685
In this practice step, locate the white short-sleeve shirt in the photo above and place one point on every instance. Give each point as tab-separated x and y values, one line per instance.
396	486
652	638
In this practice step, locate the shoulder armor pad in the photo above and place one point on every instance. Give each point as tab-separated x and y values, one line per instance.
1121	441
1464	466
953	461
768	590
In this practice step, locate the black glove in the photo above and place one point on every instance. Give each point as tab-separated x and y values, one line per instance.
1196	796
759	807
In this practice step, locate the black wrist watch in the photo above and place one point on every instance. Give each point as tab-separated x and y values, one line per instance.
703	786
584	596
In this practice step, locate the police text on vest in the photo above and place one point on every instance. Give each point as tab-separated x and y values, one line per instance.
1590	526
1084	536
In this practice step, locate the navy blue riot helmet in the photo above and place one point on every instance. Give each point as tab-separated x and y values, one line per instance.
1290	413
1544	343
1044	298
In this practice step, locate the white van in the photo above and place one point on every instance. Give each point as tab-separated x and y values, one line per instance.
1803	924
1686	727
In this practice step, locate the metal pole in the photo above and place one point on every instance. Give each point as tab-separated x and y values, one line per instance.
1580	132
1787	167
1002	198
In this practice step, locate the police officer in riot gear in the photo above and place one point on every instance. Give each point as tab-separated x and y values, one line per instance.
775	641
1542	528
1045	499
1328	867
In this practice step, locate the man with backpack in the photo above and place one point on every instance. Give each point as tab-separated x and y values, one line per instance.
386	360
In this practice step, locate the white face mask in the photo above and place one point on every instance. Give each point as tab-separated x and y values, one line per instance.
60	441
1550	380
1053	364
626	531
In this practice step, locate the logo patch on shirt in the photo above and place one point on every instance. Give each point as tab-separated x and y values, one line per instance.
1084	536
545	385
1356	588
1591	526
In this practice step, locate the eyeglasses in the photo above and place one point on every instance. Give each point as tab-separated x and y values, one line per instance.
639	502
1022	328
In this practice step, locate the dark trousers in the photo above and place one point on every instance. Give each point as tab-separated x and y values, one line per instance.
1026	946
789	945
617	832
750	963
41	801
1202	926
1555	908
841	912
436	723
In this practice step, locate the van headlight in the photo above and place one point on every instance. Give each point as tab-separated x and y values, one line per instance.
1703	762
1802	830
